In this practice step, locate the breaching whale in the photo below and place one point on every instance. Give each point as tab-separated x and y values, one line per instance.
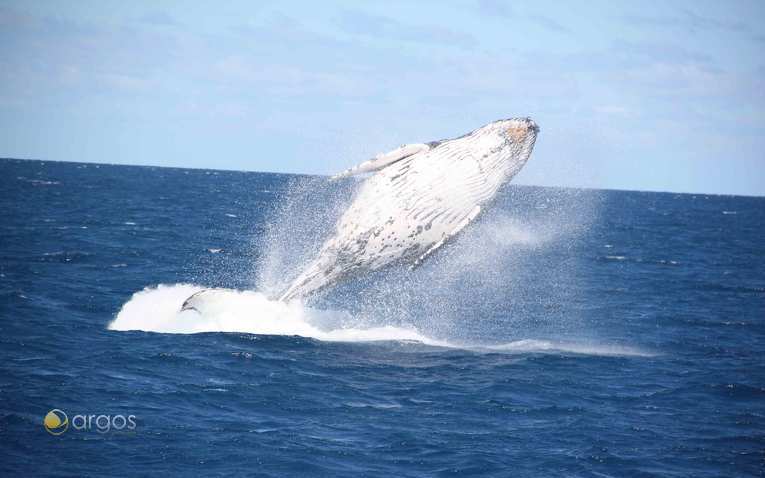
417	198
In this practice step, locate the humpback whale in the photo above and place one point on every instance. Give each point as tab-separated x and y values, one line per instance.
416	199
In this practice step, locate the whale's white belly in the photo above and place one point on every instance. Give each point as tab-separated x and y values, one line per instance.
403	210
409	208
418	197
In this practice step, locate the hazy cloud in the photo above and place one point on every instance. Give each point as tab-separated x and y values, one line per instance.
158	18
688	20
365	24
498	8
549	23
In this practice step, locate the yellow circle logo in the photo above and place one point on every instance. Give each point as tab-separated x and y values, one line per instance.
56	422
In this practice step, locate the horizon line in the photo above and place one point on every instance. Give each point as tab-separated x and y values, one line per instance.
586	188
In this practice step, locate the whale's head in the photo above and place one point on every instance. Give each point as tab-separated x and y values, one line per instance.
518	129
505	144
514	132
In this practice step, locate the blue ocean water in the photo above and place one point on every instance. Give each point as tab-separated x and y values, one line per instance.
569	332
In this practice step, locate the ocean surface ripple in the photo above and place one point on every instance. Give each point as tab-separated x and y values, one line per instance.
569	332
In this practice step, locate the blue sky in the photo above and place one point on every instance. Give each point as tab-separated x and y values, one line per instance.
630	95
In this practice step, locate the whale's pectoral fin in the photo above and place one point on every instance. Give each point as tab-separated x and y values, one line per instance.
382	160
460	226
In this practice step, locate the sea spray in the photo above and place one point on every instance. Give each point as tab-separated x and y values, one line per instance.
302	218
518	264
496	259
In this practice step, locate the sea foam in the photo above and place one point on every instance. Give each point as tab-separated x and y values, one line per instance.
158	309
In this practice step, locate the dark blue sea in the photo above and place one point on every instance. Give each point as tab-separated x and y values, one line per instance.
566	333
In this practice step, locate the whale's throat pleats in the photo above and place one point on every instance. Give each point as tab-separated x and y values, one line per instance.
418	199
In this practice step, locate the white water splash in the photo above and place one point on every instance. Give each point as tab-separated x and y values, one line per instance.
157	309
498	258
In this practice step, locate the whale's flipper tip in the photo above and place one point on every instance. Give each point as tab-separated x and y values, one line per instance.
219	301
198	301
188	304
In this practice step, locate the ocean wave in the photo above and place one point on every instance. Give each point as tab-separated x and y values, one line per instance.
158	309
540	346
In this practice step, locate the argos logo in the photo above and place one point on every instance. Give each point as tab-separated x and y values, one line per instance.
56	422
